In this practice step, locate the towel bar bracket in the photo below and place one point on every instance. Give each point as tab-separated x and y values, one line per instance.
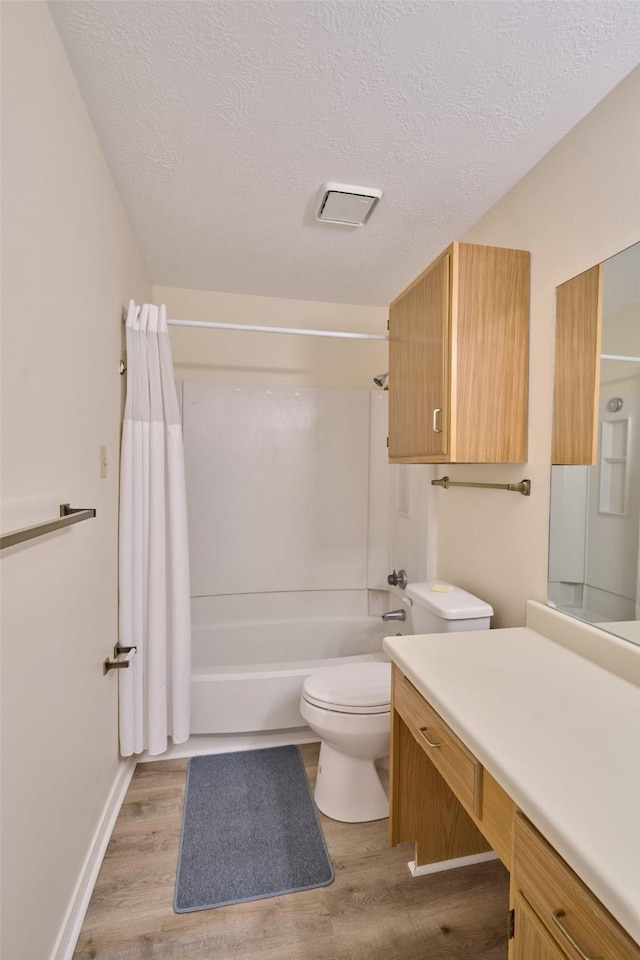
116	664
113	665
66	510
118	650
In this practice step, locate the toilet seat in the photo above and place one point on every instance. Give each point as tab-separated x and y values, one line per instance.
356	688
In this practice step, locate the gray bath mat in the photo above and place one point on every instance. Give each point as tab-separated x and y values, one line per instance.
250	830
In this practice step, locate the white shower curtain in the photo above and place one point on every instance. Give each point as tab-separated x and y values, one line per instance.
154	560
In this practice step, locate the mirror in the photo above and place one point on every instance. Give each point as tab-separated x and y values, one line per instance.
594	541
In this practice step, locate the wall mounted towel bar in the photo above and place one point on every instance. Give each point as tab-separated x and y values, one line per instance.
68	516
524	487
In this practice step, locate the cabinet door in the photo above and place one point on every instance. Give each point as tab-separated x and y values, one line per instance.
570	912
419	333
531	941
577	369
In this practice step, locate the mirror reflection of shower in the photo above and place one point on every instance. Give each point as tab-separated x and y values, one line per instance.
381	380
594	549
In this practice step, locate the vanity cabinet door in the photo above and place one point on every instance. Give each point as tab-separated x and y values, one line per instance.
532	941
572	917
458	359
577	368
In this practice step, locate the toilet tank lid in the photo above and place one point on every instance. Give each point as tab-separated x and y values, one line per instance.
447	601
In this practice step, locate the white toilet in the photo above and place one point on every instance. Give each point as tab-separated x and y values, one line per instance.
349	707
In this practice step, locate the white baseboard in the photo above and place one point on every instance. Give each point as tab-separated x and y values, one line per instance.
442	865
200	744
72	924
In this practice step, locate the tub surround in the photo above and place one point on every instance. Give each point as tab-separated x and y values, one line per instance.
558	732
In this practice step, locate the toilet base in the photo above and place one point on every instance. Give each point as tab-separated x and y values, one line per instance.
348	788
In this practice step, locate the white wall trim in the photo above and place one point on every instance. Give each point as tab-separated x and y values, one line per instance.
204	744
72	924
454	864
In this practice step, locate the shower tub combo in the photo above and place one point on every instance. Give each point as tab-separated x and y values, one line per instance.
281	556
247	674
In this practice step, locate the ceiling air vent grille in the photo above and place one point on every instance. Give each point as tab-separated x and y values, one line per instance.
351	206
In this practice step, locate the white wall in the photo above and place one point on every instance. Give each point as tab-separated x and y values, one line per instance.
577	207
69	262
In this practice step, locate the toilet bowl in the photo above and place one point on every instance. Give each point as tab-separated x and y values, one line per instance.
349	707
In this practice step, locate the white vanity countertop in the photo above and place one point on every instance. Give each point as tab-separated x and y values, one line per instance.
560	734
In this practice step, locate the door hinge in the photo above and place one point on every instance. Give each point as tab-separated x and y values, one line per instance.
512	923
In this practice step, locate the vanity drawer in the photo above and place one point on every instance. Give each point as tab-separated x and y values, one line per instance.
567	909
458	766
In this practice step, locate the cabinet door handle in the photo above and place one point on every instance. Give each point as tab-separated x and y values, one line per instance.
557	916
435	420
423	733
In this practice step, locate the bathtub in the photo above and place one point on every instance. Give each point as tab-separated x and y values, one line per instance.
247	675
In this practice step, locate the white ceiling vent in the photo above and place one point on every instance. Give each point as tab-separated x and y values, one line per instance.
339	203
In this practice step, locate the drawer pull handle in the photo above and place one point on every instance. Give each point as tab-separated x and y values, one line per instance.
435	420
423	734
557	916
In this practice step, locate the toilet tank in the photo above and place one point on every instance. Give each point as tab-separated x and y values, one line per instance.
439	607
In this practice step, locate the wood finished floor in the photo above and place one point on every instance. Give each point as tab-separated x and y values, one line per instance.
374	910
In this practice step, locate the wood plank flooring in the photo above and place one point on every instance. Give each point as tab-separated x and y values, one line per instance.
374	910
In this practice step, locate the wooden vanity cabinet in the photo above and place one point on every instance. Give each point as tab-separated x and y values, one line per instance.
458	359
577	368
441	798
445	801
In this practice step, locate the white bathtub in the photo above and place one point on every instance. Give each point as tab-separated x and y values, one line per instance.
248	675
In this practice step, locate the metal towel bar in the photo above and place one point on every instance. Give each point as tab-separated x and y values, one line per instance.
68	516
524	487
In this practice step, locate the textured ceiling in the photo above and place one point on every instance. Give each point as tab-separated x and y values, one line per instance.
220	121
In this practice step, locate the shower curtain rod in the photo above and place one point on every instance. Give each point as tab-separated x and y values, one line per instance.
297	330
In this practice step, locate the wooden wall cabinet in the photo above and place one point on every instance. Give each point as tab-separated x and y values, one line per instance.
577	368
458	359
